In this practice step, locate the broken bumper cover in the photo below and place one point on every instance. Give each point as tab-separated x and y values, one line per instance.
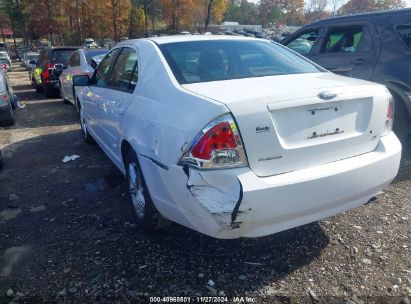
237	203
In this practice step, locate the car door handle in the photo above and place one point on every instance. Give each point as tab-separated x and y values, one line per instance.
359	61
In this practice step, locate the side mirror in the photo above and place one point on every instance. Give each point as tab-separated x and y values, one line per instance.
81	80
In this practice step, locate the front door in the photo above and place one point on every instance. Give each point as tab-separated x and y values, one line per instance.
94	97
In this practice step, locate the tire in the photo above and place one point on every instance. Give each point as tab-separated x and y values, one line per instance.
63	99
9	120
48	93
147	215
402	120
84	129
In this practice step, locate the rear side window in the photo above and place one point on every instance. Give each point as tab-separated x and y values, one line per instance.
404	32
346	40
74	59
124	74
102	72
303	43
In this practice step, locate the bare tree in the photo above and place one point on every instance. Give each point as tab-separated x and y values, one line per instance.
335	5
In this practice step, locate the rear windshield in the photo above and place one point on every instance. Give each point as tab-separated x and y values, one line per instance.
32	57
201	61
4	61
61	56
93	53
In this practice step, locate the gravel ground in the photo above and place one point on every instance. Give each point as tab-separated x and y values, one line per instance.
67	234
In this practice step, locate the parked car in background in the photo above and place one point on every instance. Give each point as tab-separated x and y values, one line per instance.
176	115
50	65
373	46
30	60
5	59
90	43
6	101
81	62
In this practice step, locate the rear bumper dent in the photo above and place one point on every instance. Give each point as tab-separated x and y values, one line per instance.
237	203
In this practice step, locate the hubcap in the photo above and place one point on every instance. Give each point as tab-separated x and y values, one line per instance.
136	190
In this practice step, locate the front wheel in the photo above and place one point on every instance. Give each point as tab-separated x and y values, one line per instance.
146	213
63	99
84	128
9	119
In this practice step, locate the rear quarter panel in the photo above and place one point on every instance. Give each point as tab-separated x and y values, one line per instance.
162	118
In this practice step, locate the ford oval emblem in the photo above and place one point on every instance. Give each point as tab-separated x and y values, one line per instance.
327	95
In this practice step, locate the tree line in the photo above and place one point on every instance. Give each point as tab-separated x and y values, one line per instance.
70	21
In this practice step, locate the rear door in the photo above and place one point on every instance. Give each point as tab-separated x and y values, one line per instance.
122	81
349	49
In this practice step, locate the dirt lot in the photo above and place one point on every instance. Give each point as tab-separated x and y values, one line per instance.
67	233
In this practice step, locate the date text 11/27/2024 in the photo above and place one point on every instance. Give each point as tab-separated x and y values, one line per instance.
203	299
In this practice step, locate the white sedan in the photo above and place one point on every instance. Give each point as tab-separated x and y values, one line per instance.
81	62
237	137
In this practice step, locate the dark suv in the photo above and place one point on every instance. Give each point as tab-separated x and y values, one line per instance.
50	64
373	46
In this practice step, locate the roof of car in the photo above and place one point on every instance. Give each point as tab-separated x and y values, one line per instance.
366	15
186	38
86	50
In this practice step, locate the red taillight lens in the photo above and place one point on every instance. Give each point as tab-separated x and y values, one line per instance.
218	137
218	145
5	97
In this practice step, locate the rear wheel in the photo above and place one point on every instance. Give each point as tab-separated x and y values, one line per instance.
146	213
9	119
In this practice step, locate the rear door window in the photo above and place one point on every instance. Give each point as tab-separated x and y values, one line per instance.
123	76
349	39
102	73
61	56
404	33
303	43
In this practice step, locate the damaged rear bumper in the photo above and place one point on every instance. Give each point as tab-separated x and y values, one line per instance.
237	203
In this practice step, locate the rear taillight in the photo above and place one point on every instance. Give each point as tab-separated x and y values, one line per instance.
389	119
218	145
5	97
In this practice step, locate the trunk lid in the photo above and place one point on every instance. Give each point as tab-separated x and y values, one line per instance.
286	126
